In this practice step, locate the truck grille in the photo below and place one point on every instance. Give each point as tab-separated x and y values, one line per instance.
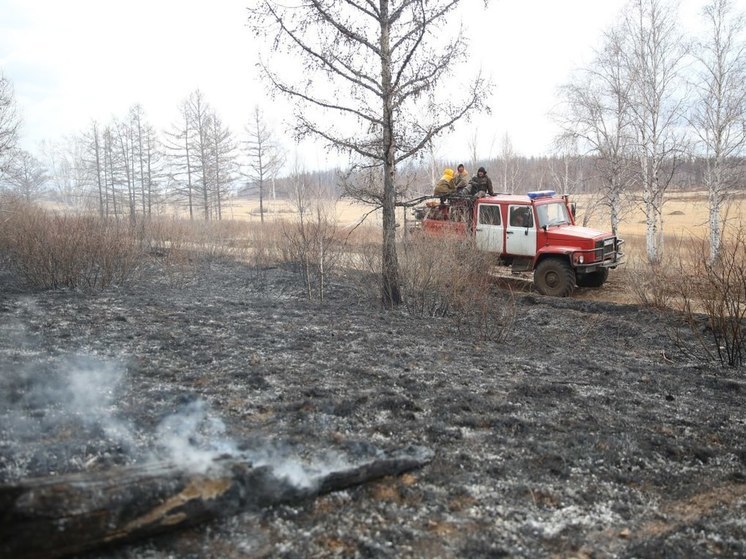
606	249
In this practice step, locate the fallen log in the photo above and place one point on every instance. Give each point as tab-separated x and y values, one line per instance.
66	515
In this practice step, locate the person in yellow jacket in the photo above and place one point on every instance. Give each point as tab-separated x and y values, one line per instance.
445	186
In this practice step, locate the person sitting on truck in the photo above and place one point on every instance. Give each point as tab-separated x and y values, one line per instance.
461	180
445	186
481	185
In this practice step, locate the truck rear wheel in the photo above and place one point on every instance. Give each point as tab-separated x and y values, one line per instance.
554	277
594	279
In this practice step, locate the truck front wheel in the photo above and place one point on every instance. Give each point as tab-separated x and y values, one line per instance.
554	277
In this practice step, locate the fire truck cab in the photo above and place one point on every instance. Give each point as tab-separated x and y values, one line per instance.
535	232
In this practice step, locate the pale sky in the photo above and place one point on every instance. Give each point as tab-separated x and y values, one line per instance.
73	61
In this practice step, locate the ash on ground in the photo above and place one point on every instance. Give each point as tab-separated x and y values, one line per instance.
587	433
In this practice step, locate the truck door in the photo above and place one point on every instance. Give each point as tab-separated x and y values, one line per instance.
489	231
520	233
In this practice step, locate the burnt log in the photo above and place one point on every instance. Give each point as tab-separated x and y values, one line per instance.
65	515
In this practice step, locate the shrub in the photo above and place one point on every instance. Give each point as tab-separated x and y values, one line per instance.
314	245
49	250
451	278
709	296
717	290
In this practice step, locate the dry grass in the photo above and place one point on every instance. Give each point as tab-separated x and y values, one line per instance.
51	250
444	279
451	278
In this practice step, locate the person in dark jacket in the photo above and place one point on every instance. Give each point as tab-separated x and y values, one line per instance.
481	184
461	178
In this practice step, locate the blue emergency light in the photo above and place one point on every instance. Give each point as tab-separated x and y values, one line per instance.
541	194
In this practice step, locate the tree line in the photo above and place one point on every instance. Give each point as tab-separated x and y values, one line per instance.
127	169
652	101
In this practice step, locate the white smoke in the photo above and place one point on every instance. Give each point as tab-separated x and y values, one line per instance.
78	390
193	438
76	402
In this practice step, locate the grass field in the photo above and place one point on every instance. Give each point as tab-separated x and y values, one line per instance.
685	215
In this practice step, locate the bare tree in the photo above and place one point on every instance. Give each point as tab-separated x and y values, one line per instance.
10	121
67	175
376	67
123	137
202	154
200	113
26	175
189	148
146	158
567	171
598	117
508	163
264	155
653	53
123	158
223	165
312	238
181	159
719	114
113	174
95	159
473	144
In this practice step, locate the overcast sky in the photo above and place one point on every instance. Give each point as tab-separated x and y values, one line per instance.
73	61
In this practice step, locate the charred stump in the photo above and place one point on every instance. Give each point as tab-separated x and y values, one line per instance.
65	515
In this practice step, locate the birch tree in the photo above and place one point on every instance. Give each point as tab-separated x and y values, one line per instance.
598	116
719	114
653	51
508	165
369	84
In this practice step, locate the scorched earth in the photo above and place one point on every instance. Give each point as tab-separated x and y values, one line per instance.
586	433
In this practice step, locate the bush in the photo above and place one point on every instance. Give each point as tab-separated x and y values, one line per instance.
709	296
451	278
314	245
717	290
50	250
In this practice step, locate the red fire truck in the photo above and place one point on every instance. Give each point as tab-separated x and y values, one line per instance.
535	232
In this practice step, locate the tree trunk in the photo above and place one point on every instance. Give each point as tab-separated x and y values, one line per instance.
391	288
66	515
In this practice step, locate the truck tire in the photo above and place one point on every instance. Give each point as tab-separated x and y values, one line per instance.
554	277
594	279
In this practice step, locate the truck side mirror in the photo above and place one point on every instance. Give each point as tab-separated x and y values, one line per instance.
573	209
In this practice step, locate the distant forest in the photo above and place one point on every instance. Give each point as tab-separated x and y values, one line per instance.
566	175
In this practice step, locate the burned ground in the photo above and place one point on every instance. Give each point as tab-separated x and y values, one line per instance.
586	433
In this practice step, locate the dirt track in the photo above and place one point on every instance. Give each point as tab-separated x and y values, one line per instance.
587	433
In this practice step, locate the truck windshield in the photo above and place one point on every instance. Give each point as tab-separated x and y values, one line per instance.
552	214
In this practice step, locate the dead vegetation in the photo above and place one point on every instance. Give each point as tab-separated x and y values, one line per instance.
448	279
710	297
584	433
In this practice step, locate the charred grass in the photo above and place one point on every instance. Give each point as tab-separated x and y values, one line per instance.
579	427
